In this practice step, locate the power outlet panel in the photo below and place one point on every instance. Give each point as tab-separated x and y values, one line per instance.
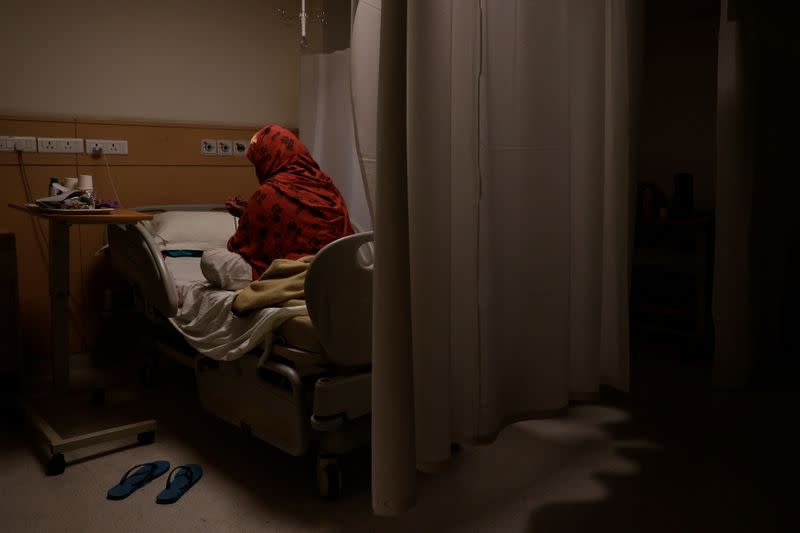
58	145
106	146
240	146
4	144
23	144
48	144
224	147
208	146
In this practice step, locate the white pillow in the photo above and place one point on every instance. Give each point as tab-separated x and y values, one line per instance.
191	230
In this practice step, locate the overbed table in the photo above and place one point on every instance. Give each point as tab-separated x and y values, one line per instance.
59	223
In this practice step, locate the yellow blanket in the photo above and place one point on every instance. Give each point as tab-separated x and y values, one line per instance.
281	285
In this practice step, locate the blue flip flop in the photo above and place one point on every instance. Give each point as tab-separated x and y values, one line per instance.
136	477
179	481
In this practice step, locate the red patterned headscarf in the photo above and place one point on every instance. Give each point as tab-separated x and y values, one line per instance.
296	210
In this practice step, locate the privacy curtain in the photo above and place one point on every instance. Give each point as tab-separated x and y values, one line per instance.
364	40
733	357
502	219
327	128
757	228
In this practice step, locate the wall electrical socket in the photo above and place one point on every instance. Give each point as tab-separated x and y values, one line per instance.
240	146
224	147
208	146
60	145
4	144
105	146
14	143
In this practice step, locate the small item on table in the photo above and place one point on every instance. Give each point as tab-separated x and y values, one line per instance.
58	201
87	191
82	201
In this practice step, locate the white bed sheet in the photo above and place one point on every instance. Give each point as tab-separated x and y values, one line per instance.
204	315
184	269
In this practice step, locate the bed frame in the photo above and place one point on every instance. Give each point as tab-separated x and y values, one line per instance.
311	388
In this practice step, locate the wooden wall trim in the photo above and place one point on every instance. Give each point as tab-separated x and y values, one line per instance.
130	122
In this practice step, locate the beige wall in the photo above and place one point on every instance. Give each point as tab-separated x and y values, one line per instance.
195	61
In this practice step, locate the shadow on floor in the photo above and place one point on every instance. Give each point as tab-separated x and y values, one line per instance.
728	460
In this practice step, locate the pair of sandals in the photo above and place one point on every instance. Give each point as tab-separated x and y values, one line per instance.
180	480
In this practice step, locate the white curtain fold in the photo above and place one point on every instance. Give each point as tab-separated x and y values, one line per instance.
393	462
364	44
733	337
429	191
327	127
587	63
620	86
516	211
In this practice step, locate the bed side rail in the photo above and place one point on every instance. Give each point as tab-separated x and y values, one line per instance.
136	256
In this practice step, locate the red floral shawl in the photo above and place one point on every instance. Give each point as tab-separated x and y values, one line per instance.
296	210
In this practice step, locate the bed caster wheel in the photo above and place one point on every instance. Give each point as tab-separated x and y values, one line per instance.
329	478
147	437
55	465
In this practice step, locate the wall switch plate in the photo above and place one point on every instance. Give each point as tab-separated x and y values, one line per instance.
106	146
60	145
240	146
208	146
224	147
24	144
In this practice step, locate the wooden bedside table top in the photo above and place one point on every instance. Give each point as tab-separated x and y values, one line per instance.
117	216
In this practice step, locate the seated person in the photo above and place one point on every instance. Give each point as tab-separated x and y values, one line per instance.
295	212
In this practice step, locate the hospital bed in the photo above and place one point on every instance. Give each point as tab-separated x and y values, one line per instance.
295	376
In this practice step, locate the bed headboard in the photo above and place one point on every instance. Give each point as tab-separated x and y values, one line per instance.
135	254
338	284
338	292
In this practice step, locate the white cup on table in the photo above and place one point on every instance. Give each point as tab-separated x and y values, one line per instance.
87	189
